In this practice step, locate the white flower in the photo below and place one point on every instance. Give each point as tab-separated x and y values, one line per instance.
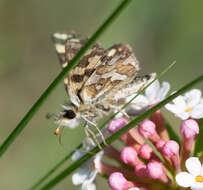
86	175
193	179
189	105
134	188
153	95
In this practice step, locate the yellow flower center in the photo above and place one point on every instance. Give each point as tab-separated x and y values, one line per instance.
188	109
199	178
93	166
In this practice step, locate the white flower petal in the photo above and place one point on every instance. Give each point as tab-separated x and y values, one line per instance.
88	144
97	159
152	90
92	175
193	97
184	179
134	110
183	115
193	166
197	186
140	100
134	188
137	106
77	155
80	176
201	173
197	112
163	91
180	103
173	108
88	186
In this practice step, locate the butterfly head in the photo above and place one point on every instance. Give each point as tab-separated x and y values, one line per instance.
67	118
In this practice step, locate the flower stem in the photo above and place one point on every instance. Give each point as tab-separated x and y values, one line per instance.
10	139
51	171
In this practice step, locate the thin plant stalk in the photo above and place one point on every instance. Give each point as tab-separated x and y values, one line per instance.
10	139
60	163
116	135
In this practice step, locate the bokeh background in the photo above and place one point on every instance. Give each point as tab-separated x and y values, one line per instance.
158	31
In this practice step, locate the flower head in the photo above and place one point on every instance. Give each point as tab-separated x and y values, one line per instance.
194	177
189	105
138	166
189	128
88	171
118	182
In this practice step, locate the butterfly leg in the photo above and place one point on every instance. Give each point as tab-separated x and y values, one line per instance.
99	131
117	109
89	132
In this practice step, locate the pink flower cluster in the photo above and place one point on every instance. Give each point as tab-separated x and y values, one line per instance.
140	167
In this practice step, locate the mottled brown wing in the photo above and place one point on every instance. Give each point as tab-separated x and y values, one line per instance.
117	96
118	66
60	39
67	46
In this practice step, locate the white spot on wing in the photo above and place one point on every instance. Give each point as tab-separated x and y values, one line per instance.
93	79
114	76
117	76
65	80
75	40
74	99
98	87
112	52
85	97
61	36
60	48
64	64
109	74
113	60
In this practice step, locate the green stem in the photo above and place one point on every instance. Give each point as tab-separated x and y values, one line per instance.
10	139
60	163
113	137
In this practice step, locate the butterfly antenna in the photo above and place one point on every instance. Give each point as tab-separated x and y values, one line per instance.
60	135
51	115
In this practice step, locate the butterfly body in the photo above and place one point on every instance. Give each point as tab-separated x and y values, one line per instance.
100	82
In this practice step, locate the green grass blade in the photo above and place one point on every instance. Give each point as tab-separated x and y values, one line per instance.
51	171
113	137
199	143
172	134
60	77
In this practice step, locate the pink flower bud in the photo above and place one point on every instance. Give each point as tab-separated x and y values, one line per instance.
189	128
141	170
146	151
155	171
160	144
116	124
129	156
147	128
118	182
170	148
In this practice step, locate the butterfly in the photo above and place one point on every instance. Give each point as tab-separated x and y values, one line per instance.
99	84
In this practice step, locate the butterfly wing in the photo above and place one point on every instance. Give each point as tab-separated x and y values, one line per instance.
118	66
67	46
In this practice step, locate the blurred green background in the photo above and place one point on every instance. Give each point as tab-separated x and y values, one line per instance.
159	32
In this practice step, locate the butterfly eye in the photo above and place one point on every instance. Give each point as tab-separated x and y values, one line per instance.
69	114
